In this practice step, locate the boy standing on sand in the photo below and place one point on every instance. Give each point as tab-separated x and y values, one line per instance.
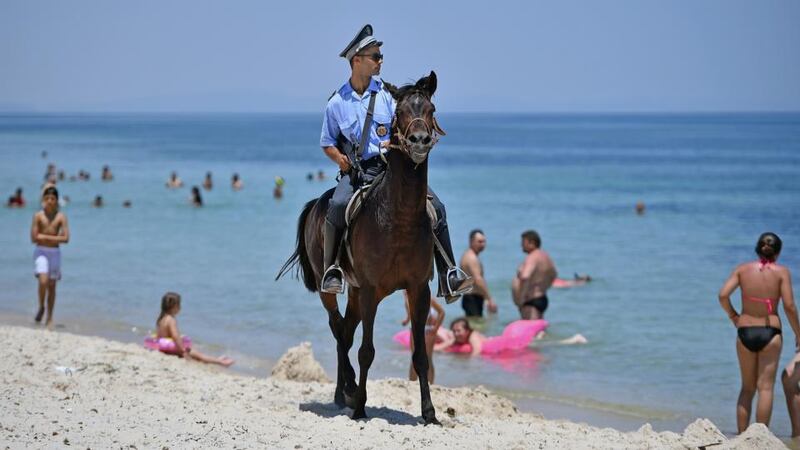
48	230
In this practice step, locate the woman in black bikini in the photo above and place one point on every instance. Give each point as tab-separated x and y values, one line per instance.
763	284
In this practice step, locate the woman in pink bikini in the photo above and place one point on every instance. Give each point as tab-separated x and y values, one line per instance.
763	283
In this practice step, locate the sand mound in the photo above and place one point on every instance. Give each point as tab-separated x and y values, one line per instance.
755	437
298	364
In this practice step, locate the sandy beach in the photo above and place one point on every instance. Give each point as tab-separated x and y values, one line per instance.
61	389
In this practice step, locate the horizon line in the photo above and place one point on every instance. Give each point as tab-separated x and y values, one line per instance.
533	112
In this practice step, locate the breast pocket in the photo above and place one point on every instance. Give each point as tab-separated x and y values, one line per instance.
348	123
381	126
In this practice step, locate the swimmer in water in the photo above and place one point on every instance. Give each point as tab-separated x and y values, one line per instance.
174	181
196	199
462	334
236	182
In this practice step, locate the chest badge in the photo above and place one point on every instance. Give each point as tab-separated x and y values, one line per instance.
381	130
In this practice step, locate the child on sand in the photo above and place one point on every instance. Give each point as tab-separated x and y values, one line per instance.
48	230
167	328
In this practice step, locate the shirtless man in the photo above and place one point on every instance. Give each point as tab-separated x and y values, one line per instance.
473	302
48	230
174	181
534	277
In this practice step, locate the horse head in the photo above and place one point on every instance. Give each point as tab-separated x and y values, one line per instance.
414	128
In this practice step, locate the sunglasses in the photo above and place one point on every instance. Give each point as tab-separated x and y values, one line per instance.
374	56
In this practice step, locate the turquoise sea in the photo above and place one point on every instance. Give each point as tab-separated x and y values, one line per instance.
660	348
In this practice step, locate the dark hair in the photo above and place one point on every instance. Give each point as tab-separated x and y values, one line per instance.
50	190
168	301
768	246
532	236
463	320
474	232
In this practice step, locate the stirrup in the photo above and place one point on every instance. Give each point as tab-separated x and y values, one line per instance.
333	268
458	292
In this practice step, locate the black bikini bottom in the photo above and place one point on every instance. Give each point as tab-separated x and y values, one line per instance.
540	303
756	338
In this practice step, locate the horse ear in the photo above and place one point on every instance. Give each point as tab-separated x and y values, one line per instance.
432	83
427	84
392	89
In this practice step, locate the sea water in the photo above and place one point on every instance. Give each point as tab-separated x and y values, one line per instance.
660	348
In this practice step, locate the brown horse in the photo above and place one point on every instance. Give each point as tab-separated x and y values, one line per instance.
391	243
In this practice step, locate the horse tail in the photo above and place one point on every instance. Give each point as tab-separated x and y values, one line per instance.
300	255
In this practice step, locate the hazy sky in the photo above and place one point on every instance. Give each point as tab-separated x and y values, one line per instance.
542	56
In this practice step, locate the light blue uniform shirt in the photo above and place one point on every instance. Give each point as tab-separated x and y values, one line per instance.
346	112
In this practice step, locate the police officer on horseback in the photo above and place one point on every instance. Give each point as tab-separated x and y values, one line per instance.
355	132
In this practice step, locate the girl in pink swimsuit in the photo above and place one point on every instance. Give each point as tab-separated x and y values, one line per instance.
763	283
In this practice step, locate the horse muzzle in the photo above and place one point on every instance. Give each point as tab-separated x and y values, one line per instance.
419	153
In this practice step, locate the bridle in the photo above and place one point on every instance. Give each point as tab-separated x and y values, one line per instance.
404	144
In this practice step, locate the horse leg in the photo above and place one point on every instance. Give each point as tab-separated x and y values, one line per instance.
336	322
368	305
352	318
419	303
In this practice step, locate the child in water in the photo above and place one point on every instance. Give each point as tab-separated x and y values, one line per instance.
48	230
432	325
167	327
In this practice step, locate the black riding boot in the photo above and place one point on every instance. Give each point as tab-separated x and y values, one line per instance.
453	282
332	280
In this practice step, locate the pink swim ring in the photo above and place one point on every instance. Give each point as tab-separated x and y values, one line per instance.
166	345
516	335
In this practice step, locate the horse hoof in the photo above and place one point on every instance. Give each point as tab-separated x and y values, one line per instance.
339	400
432	421
349	401
359	414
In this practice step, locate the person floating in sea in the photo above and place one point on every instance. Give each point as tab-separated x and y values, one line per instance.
127	204
174	181
310	176
473	302
168	338
577	280
49	230
98	201
534	277
236	182
277	191
106	175
208	184
362	96
462	334
196	199
763	284
320	175
640	208
16	200
432	325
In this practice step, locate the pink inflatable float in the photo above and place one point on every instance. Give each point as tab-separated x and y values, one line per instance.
166	345
517	335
